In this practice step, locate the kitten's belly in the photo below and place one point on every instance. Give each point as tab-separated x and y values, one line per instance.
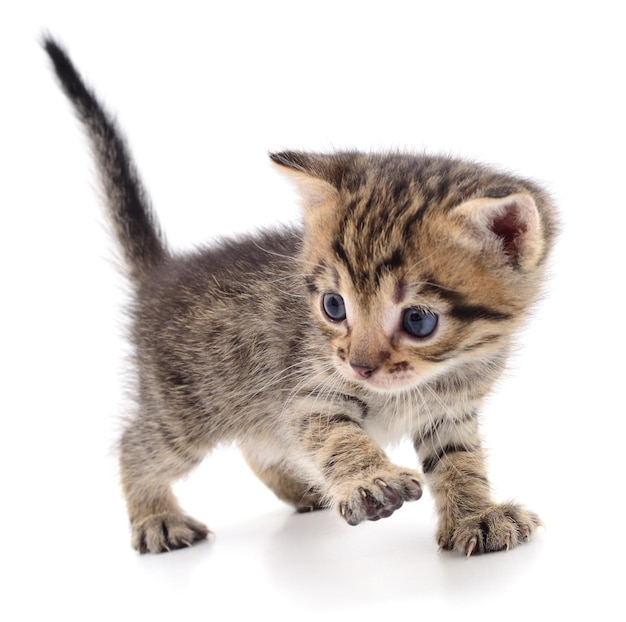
266	450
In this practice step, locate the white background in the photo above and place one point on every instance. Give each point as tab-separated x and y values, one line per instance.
204	90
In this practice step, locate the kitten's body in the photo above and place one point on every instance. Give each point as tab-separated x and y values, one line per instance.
390	315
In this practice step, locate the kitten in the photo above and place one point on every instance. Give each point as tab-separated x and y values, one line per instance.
389	315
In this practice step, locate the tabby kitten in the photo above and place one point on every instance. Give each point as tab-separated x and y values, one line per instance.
390	314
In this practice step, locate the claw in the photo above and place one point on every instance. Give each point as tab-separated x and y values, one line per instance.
470	546
380	482
370	505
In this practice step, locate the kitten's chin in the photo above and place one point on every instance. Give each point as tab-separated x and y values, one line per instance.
389	385
394	383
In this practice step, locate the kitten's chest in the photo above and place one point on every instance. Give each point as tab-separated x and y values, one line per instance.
392	419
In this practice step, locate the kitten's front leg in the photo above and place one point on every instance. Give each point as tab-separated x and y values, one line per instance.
469	520
357	478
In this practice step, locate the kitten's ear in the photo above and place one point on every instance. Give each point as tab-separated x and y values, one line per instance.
310	174
510	226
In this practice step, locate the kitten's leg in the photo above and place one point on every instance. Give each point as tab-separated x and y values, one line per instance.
287	484
469	520
357	478
150	462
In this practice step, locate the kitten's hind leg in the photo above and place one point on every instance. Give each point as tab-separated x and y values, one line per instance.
155	531
149	466
285	483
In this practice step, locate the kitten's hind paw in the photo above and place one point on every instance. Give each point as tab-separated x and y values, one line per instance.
497	528
159	533
380	496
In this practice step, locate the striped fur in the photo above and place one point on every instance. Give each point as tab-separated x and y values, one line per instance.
388	315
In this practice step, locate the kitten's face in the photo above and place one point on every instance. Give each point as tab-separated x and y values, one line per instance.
393	328
382	342
417	265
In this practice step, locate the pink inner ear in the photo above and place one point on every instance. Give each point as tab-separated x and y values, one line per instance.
510	226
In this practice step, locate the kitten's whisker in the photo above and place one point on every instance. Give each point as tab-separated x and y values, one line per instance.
418	262
325	369
306	379
289	277
293	258
291	294
301	367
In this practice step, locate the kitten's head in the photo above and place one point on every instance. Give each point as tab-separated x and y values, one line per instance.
417	265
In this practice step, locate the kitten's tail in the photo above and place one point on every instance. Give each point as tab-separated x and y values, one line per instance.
133	220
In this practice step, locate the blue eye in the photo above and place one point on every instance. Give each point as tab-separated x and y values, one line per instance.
419	322
334	307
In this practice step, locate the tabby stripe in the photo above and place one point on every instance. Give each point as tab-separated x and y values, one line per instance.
452	351
360	403
341	254
470	313
362	406
330	420
430	464
442	356
432	430
461	310
391	263
310	284
481	342
400	189
413	220
473	475
338	419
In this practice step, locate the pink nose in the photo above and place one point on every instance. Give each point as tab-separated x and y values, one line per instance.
365	371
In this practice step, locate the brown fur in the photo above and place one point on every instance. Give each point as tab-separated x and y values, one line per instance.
427	267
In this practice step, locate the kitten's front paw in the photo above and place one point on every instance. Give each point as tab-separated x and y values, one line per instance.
165	532
497	528
380	495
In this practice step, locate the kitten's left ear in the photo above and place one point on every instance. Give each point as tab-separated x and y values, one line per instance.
510	226
310	174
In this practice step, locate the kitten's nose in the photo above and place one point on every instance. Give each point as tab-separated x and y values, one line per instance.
365	371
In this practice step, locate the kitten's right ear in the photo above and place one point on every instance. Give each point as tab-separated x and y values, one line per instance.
308	173
509	226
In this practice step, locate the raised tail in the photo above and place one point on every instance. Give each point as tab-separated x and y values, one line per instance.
129	208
